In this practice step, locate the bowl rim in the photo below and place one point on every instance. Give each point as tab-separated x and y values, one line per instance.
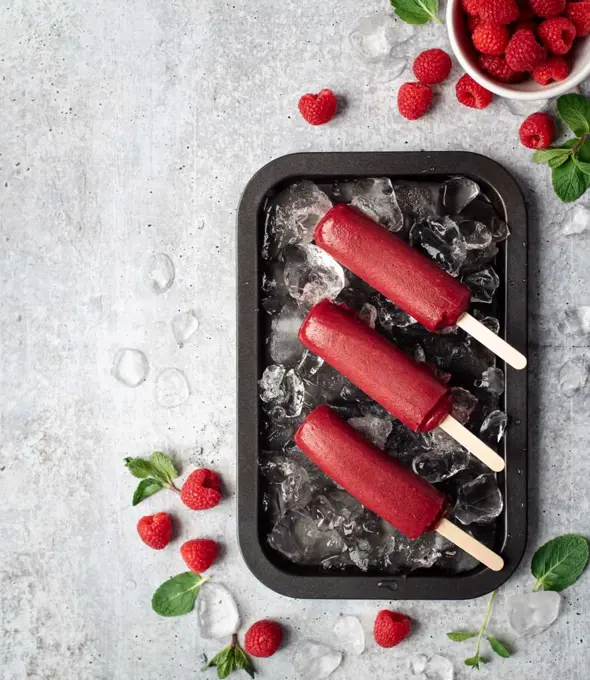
512	92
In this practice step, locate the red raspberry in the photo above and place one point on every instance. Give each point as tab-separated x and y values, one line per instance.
391	628
472	94
497	11
524	25
414	100
155	530
526	11
537	131
201	490
199	554
499	69
490	39
547	8
473	23
318	109
524	52
432	66
263	638
470	6
551	71
579	13
557	35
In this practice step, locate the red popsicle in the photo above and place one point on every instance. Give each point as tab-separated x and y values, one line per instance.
405	276
408	390
382	484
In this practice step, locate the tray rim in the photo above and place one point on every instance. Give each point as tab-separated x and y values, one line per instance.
406	165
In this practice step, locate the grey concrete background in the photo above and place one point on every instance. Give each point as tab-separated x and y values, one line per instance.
129	128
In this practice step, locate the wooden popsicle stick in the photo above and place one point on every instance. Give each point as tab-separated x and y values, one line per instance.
474	445
498	346
470	545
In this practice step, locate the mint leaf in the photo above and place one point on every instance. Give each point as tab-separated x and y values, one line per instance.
178	594
231	658
499	647
243	662
569	182
147	487
416	12
559	563
461	637
556	162
545	155
473	661
574	111
139	467
163	467
582	165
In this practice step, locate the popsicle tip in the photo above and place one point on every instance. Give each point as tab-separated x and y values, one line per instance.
495	564
519	362
496	464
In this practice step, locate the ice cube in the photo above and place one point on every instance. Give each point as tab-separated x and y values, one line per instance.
295	489
295	394
500	230
479	500
417	664
391	316
532	613
418	200
368	314
457	194
314	661
464	404
477	236
493	427
217	612
171	388
441	442
575	321
375	197
375	429
297	536
476	259
483	284
350	634
374	38
184	326
439	668
309	365
488	321
284	345
159	273
435	466
271	384
293	216
130	367
492	380
576	220
442	241
573	376
311	274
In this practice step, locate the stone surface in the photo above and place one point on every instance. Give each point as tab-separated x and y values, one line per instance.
132	128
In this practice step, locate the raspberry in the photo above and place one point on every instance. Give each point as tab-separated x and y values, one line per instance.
155	530
526	11
547	8
499	69
199	554
473	23
497	11
391	628
414	100
557	34
263	638
524	25
470	6
432	66
318	109
490	39
579	13
551	71
524	52
201	490
472	94
537	131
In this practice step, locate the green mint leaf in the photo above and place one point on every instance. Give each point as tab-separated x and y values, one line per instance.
559	563
500	648
218	658
473	662
163	466
416	11
545	155
139	467
557	161
569	182
147	487
243	662
584	151
461	637
574	111
178	594
227	665
583	166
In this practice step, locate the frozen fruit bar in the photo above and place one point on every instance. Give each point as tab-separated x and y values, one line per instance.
382	484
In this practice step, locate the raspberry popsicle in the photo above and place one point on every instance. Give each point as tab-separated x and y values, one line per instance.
382	484
408	390
401	273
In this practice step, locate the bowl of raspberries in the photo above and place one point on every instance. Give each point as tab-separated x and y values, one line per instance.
522	49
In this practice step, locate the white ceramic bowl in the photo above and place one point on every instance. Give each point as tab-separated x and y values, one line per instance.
528	90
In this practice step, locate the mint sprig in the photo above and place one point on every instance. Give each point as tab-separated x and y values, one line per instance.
559	563
231	658
178	594
416	12
156	473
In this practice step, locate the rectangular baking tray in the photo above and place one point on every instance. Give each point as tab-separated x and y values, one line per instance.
300	581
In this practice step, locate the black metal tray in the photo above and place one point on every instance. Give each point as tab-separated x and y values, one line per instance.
302	582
